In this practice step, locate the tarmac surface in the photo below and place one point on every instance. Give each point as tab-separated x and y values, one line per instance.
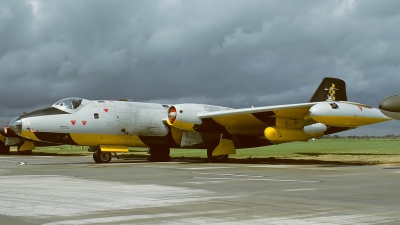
75	190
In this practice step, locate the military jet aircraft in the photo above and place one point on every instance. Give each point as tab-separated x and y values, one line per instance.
390	106
112	126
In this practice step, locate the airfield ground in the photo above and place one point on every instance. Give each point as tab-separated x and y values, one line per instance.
58	190
320	151
318	182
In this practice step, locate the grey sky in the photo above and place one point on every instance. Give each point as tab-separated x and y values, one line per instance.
225	52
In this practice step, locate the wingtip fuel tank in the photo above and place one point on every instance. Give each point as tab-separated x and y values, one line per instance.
390	106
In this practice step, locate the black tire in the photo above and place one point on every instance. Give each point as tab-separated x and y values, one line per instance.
216	159
4	149
26	152
160	154
101	157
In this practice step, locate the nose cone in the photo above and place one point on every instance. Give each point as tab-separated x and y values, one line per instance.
390	104
16	125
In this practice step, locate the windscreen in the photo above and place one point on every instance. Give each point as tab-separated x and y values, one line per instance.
68	103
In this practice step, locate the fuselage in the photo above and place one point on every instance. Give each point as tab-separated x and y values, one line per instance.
99	122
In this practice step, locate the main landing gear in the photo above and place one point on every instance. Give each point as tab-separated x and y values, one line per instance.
4	149
101	157
159	154
216	159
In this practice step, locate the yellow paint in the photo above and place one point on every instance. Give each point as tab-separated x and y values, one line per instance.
113	148
289	123
27	146
332	92
177	135
225	147
29	134
348	121
280	135
107	139
294	114
182	125
2	138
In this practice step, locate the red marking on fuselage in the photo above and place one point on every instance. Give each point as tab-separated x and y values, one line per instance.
105	110
73	122
84	122
360	107
5	129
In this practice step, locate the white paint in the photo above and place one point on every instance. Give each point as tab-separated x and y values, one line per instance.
206	168
64	196
114	219
255	179
272	166
301	189
346	175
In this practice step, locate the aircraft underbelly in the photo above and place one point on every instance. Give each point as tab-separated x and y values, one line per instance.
109	139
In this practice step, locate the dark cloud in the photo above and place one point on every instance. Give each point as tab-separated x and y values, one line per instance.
231	53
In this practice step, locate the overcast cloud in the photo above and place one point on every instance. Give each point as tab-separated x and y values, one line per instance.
225	52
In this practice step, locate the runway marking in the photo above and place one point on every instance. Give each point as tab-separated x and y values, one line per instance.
272	166
19	162
114	219
300	167
256	179
246	177
206	168
301	189
346	175
51	196
206	182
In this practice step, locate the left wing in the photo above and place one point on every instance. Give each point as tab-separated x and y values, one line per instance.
257	119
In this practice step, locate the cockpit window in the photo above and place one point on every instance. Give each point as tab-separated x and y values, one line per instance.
68	103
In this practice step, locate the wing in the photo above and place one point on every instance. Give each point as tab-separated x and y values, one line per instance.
255	120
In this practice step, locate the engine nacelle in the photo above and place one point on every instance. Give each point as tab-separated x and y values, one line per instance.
280	135
185	116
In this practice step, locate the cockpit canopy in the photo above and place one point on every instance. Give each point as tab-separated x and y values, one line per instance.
69	104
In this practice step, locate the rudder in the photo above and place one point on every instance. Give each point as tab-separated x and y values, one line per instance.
330	89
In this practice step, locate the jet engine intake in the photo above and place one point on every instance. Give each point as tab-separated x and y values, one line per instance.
186	116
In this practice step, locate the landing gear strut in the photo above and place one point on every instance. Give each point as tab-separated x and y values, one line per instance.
159	154
216	159
101	157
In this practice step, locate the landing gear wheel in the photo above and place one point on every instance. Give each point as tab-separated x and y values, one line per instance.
26	152
160	154
216	159
101	157
4	149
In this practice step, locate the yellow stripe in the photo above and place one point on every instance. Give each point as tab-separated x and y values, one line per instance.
225	147
107	139
113	148
27	146
2	138
30	135
177	135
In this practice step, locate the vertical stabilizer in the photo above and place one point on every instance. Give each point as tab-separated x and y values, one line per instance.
330	89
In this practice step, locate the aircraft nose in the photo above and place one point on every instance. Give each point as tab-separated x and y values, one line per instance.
16	125
390	104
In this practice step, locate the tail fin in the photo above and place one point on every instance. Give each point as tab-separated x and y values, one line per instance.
330	89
